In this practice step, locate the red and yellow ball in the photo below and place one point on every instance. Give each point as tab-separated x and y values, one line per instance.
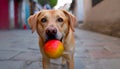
53	49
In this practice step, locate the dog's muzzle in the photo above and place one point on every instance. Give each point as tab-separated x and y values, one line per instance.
51	33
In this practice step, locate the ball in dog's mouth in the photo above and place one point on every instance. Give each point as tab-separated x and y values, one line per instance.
53	49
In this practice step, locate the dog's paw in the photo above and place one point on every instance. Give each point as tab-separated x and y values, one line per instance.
63	62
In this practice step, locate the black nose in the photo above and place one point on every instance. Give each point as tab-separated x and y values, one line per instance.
51	31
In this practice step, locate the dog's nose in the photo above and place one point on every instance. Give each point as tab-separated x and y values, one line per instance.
51	31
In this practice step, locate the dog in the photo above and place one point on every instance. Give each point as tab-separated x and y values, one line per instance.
55	24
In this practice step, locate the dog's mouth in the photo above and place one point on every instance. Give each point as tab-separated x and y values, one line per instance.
52	37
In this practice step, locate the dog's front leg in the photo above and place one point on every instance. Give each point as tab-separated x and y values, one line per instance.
63	61
70	60
46	63
70	63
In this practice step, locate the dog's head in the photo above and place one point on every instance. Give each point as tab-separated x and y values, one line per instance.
52	24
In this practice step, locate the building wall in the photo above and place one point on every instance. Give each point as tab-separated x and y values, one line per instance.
4	14
13	14
104	18
16	4
87	6
78	10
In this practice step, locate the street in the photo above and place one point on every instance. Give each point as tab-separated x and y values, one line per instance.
19	50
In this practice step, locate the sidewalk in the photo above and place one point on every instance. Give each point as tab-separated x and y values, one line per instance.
19	50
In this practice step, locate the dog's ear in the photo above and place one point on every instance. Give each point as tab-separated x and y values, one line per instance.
71	18
32	21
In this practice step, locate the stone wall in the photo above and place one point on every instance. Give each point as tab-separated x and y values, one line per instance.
104	18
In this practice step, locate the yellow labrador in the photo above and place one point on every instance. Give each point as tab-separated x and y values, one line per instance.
55	24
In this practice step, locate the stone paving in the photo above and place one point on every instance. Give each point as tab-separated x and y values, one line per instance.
19	50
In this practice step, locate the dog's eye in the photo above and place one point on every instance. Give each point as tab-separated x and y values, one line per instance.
43	20
60	20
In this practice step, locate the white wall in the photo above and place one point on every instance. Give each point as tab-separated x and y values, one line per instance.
104	17
11	14
80	10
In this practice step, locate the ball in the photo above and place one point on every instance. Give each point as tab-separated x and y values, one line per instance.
53	48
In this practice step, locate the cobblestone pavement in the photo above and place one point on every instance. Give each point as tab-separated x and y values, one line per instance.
19	50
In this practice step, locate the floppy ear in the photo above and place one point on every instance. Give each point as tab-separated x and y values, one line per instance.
71	18
32	21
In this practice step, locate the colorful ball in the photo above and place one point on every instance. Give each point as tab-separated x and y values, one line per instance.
53	49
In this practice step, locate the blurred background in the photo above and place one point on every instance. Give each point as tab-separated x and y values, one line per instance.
19	48
14	13
95	15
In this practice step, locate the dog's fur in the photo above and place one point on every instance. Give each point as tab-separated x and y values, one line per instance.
61	22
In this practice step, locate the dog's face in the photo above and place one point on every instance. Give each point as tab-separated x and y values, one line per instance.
52	24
